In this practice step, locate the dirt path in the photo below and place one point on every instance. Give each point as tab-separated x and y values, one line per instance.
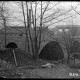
60	71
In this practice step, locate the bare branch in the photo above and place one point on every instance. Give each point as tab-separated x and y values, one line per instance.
75	9
56	16
53	6
59	21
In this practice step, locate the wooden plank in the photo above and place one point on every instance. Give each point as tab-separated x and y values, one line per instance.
15	58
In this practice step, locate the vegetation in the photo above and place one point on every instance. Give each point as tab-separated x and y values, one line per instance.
67	39
35	16
37	22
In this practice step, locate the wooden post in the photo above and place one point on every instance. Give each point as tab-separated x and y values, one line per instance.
25	44
15	58
74	59
62	61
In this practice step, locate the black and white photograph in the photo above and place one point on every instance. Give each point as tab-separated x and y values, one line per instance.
40	39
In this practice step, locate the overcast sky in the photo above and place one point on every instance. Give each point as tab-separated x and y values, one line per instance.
15	9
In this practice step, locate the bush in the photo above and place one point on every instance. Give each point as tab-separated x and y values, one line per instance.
7	70
75	66
5	65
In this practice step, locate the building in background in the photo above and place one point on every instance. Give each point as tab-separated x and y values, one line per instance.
59	29
17	35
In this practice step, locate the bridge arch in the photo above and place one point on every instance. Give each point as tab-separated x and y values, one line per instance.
11	45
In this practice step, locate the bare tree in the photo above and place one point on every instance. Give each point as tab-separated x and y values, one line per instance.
4	17
43	20
26	28
42	13
67	38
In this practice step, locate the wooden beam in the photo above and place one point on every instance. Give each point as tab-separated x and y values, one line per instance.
15	58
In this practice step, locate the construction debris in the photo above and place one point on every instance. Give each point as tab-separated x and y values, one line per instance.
48	65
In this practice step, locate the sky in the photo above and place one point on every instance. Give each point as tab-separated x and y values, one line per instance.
15	9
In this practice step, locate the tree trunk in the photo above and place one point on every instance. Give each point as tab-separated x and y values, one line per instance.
26	29
36	51
68	58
